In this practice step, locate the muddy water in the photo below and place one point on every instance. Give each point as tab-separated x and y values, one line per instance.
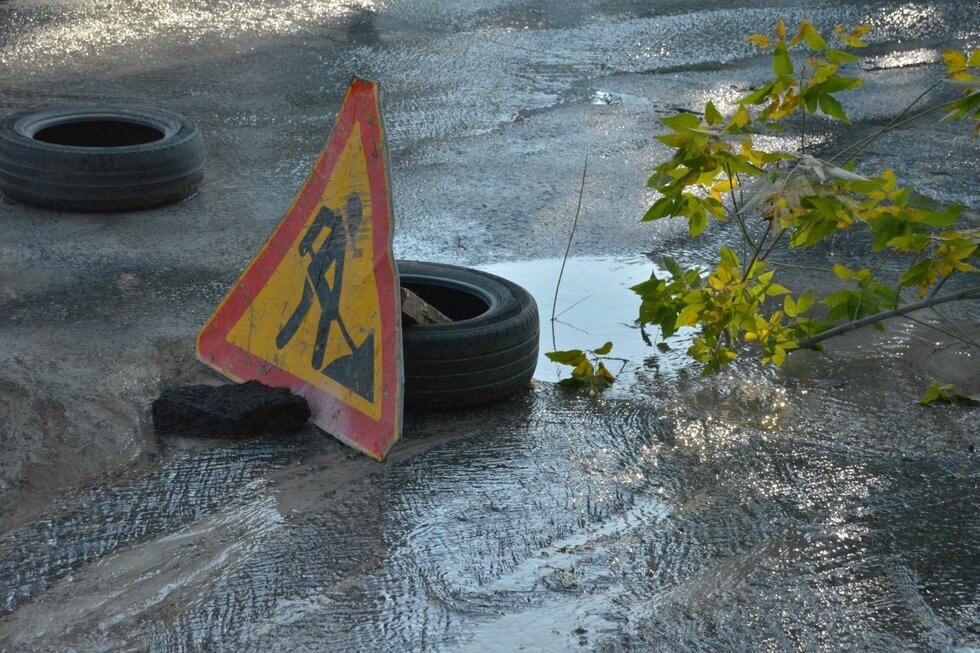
817	508
745	512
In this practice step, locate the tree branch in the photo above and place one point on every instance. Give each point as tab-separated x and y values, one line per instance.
578	209
893	123
942	330
935	290
808	343
758	249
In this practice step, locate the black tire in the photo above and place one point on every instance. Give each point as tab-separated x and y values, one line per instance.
99	158
486	354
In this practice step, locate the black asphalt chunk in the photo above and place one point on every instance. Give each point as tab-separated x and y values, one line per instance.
229	411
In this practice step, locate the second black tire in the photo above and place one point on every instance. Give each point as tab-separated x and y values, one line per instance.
486	354
99	158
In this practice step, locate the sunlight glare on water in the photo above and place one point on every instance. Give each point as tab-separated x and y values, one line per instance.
595	304
97	29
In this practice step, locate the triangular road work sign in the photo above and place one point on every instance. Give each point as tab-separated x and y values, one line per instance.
317	311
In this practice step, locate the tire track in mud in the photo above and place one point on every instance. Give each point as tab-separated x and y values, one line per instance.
105	519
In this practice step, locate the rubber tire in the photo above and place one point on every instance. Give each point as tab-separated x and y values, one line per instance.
104	179
472	361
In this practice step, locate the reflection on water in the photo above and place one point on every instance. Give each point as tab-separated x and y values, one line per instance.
594	304
903	59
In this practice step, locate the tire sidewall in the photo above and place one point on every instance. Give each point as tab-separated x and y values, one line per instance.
103	179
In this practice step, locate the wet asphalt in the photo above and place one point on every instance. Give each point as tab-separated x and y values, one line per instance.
816	508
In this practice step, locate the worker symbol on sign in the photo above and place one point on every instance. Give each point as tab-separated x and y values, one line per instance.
325	282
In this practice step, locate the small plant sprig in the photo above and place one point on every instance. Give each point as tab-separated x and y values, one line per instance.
588	370
945	394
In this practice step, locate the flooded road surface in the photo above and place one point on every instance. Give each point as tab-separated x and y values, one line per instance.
815	508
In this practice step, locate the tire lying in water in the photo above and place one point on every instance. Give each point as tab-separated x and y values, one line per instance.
486	354
99	158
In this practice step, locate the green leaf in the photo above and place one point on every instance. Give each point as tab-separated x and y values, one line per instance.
909	242
810	98
916	274
781	63
805	302
660	209
570	357
813	39
759	95
946	218
711	115
729	256
832	107
697	223
789	306
689	315
603	350
943	394
673	267
651	287
902	196
840	303
682	121
842	272
835	84
840	56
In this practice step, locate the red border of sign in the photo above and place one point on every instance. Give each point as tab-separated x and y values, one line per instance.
361	104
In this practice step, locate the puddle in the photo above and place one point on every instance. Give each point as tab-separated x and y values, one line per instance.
594	305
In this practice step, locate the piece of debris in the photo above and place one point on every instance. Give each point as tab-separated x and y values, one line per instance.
416	310
229	411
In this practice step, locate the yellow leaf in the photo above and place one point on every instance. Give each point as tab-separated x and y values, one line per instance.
789	306
854	38
955	61
760	41
740	119
890	180
799	33
725	185
689	315
781	29
724	271
778	356
974	59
